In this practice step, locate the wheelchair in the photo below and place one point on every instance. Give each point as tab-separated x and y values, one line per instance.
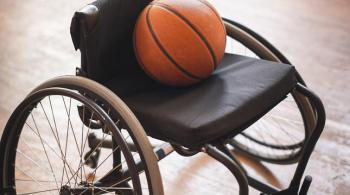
104	130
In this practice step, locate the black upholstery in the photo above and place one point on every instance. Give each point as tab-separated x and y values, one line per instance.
241	90
237	94
103	32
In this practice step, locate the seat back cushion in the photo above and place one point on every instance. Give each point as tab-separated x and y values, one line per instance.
103	32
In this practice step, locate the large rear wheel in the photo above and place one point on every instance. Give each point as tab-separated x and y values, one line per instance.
45	144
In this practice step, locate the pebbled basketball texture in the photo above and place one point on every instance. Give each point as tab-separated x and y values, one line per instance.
179	42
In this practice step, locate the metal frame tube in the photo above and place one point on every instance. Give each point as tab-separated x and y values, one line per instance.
256	184
315	135
235	169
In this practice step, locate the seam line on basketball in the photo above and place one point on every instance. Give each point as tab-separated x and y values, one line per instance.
207	4
140	60
206	42
217	14
165	52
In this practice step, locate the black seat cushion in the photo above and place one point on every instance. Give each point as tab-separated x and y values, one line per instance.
240	91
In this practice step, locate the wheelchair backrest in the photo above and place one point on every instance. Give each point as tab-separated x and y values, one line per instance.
103	32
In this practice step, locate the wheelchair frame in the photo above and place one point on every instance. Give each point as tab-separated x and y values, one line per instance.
220	152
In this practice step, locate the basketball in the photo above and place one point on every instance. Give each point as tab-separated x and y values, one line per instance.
179	42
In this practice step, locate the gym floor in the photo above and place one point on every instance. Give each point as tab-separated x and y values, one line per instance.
35	45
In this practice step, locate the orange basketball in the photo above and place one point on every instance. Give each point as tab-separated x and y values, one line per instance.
179	42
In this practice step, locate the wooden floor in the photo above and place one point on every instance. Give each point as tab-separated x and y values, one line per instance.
35	45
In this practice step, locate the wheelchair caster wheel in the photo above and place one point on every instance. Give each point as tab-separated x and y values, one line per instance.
91	158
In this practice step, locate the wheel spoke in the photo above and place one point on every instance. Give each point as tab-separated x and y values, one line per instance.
41	140
115	149
61	158
98	146
25	173
68	111
39	181
41	191
65	150
81	145
33	161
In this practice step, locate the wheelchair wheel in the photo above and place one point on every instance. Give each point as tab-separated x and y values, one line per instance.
44	147
278	137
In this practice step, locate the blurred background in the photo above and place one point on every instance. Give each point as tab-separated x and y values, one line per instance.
35	45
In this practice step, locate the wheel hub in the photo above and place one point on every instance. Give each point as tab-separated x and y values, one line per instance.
83	188
65	190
